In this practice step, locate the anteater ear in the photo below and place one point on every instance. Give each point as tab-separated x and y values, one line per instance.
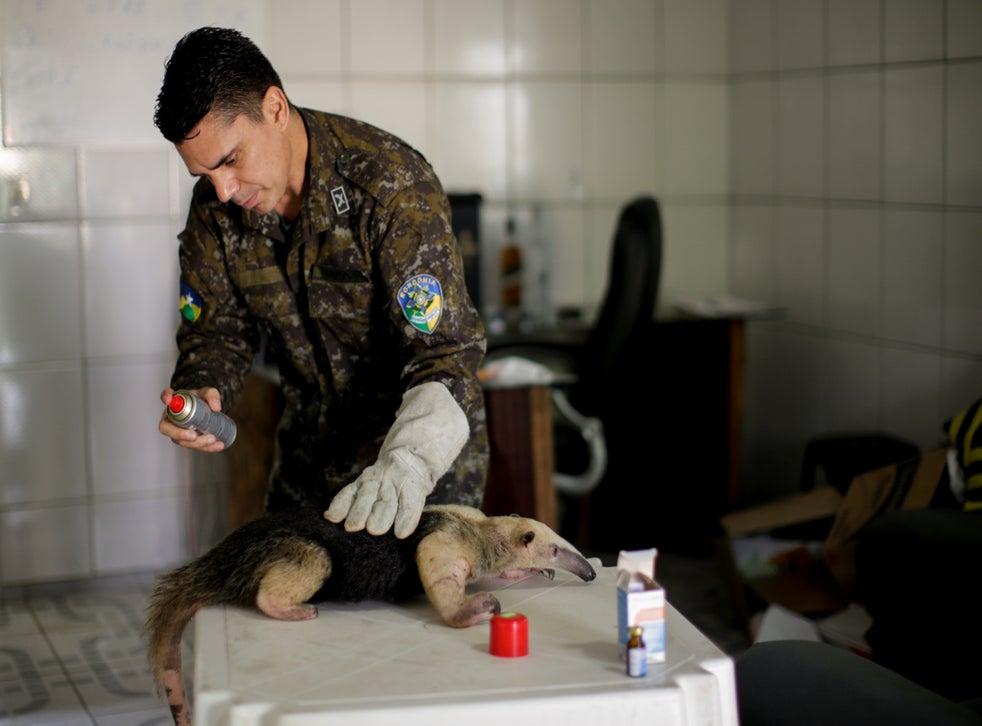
528	537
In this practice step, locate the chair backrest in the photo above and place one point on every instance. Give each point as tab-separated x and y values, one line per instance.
629	300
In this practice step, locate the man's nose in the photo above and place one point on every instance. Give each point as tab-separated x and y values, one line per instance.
225	186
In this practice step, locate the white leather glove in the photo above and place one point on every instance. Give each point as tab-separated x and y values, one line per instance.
429	431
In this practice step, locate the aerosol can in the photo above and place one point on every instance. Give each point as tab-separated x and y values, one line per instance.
190	412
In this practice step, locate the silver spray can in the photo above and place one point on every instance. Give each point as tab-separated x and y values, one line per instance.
190	412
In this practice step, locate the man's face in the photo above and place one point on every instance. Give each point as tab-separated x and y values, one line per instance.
246	161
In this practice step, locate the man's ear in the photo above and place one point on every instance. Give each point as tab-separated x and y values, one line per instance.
276	108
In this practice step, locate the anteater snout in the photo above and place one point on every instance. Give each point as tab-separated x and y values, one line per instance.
576	564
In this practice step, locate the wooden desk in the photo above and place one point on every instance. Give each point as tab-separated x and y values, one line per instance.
522	462
250	458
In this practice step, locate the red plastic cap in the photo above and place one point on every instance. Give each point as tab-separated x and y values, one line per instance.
176	403
509	635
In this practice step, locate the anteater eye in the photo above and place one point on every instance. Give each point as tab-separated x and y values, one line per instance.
528	537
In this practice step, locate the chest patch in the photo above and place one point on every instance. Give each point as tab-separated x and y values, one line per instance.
421	300
340	200
190	304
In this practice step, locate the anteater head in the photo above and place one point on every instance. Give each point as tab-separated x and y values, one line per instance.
527	545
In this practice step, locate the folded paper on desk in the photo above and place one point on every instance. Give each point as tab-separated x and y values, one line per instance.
723	306
515	371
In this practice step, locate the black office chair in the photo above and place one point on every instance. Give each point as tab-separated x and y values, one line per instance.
628	307
604	368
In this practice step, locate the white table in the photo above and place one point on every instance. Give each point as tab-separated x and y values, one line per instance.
377	664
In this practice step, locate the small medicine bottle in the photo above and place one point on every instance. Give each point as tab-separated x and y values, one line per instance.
637	653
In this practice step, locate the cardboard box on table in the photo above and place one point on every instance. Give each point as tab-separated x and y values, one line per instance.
825	583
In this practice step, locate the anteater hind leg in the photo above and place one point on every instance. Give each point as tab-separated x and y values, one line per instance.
298	570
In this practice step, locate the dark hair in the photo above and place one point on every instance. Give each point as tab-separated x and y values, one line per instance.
212	68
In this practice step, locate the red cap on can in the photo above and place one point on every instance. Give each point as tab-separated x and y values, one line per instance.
509	635
176	403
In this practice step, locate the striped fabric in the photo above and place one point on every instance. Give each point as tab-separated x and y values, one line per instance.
965	436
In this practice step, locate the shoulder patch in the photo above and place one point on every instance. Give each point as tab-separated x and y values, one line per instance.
421	300
190	305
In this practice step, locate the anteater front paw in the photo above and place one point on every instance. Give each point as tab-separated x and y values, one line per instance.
475	610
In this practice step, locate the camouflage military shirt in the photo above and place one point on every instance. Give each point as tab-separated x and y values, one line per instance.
360	299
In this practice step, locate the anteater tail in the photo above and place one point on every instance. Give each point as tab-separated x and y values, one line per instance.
177	596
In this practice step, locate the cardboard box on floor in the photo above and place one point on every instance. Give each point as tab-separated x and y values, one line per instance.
816	585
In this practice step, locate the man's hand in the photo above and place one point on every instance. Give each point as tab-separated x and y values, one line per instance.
189	438
429	431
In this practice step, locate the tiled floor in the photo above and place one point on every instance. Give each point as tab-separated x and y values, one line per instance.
72	654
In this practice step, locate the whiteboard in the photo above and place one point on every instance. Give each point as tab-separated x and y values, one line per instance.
88	71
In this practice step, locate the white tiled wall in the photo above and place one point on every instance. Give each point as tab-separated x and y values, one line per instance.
567	106
564	107
819	154
868	195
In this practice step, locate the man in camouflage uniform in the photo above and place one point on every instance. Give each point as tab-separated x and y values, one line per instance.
332	239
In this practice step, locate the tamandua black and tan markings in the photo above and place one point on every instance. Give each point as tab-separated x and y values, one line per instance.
283	561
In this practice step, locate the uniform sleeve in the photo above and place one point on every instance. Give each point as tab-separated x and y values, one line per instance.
217	339
441	334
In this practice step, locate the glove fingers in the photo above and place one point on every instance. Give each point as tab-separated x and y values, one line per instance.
383	507
411	500
354	503
341	504
380	520
361	508
380	497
